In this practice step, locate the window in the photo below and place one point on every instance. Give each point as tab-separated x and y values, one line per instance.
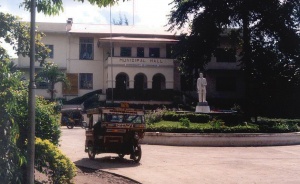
154	52
226	84
86	48
140	52
86	81
51	47
42	85
223	55
125	52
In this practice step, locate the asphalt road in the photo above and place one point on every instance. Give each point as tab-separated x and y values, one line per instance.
176	165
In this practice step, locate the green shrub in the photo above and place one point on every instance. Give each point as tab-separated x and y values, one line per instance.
50	161
185	122
217	123
231	119
278	125
170	116
195	118
47	121
155	116
215	126
11	156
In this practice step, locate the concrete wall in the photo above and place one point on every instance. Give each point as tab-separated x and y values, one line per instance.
222	139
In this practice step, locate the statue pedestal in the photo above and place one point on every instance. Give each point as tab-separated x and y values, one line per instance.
202	107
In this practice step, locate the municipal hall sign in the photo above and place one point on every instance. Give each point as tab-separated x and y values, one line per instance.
142	61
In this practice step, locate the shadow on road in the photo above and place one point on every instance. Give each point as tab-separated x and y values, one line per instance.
106	162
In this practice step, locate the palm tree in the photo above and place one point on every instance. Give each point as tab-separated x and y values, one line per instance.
51	74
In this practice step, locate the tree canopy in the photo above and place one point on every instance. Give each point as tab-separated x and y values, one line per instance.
266	33
53	7
17	34
51	74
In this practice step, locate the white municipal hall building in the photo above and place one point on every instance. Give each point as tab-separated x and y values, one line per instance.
121	63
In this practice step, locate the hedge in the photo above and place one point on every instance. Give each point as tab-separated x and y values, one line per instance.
235	129
194	118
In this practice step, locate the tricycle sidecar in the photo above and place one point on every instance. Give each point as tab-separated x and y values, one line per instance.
115	130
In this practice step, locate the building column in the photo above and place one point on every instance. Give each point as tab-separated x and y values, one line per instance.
131	84
149	84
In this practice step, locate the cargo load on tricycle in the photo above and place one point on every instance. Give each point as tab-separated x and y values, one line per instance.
115	130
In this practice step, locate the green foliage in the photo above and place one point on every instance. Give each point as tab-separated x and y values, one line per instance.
278	125
185	122
218	126
48	7
266	33
195	118
14	123
11	156
102	3
47	121
50	161
155	116
217	123
120	21
231	119
14	102
51	74
16	34
54	7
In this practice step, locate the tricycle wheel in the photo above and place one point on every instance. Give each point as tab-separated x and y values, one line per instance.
121	155
91	153
70	125
136	157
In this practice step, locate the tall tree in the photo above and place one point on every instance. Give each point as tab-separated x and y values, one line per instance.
16	33
54	7
51	74
265	31
121	21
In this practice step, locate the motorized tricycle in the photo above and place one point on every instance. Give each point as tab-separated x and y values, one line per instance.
72	117
115	130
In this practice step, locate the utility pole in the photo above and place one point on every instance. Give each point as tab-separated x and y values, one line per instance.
31	101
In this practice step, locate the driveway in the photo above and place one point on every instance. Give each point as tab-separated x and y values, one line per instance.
174	164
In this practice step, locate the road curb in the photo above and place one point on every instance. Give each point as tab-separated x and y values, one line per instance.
221	139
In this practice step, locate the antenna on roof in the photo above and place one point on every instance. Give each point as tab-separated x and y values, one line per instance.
133	12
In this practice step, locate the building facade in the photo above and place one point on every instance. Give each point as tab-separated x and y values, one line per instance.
108	58
125	63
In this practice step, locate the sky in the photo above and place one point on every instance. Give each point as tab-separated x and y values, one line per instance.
152	13
146	12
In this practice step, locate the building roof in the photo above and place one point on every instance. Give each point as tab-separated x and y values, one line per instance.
103	29
51	27
123	38
117	29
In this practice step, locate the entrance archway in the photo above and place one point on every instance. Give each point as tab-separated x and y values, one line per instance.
158	82
140	82
122	82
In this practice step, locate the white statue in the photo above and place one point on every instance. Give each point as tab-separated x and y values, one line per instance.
201	86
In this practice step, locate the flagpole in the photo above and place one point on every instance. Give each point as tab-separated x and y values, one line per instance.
133	12
111	55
